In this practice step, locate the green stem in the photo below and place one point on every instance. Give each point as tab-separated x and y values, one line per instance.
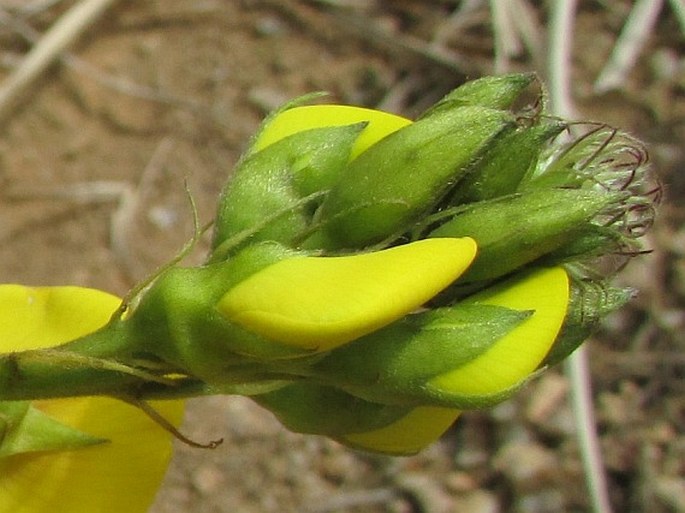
96	364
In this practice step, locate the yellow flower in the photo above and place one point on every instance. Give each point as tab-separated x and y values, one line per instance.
322	302
505	365
545	292
121	475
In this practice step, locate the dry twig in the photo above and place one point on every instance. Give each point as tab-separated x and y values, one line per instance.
58	38
515	29
636	31
105	79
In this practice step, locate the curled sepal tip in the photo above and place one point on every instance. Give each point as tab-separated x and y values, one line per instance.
322	302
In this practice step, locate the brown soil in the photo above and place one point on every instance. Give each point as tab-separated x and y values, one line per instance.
93	194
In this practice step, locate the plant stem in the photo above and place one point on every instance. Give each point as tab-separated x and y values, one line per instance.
85	366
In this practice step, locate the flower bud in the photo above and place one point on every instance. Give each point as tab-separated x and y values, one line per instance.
497	92
305	407
297	156
505	163
269	303
472	354
510	361
387	189
272	194
394	364
515	230
317	303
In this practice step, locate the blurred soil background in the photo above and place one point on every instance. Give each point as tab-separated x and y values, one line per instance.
93	158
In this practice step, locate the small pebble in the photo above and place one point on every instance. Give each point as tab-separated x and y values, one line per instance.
478	501
207	479
547	399
270	26
544	501
527	465
671	491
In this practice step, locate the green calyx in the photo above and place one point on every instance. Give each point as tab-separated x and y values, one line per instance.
590	303
505	164
497	92
394	365
275	191
517	229
404	175
307	407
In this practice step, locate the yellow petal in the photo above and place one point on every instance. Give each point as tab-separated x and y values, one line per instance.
122	475
37	317
308	117
512	358
322	302
408	435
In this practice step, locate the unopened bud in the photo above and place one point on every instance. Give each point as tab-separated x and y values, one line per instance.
515	230
472	354
273	192
506	163
497	92
305	407
390	186
318	303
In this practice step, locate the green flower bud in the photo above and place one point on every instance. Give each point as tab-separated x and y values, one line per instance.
387	189
275	191
515	230
506	163
498	92
388	429
473	354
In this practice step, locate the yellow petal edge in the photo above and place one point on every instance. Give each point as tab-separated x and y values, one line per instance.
419	428
307	117
120	476
516	355
322	302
